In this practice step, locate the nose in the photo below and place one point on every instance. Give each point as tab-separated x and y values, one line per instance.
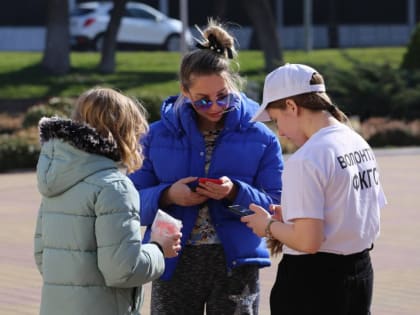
214	104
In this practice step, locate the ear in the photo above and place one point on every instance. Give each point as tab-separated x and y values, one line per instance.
291	105
184	91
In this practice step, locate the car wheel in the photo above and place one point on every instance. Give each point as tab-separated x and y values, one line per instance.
99	42
173	43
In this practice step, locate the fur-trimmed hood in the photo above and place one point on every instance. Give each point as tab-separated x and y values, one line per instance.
81	136
70	152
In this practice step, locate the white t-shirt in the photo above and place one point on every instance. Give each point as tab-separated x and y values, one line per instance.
334	177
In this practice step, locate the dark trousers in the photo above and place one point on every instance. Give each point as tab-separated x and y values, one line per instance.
323	284
201	284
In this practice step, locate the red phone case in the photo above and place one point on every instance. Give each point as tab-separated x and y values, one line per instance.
204	180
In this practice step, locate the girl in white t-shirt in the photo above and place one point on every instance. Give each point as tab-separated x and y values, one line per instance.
330	204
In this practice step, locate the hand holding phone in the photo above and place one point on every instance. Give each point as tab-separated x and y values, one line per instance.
202	180
239	210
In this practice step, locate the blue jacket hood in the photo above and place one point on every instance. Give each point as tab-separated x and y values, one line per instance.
180	120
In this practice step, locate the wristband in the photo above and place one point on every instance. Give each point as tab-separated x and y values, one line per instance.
267	229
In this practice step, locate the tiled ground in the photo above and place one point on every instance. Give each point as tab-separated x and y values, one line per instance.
396	256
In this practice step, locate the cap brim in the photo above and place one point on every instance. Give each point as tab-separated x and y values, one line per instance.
261	115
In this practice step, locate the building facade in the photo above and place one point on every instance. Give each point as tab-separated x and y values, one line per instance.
333	23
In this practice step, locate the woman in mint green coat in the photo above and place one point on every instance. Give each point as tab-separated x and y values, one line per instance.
88	239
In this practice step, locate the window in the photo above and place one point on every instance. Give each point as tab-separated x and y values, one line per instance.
81	12
138	13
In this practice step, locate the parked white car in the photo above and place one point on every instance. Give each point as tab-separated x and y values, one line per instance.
141	26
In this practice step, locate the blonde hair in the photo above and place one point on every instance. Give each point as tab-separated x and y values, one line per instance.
116	117
214	56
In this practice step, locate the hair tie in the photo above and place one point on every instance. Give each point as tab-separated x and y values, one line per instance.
215	46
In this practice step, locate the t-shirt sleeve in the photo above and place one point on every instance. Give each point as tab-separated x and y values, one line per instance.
303	191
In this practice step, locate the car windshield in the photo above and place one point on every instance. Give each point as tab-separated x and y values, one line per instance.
81	11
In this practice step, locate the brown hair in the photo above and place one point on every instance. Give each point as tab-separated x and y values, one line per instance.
275	246
210	59
115	117
315	101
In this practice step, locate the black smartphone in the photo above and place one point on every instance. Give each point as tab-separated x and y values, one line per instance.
239	210
193	185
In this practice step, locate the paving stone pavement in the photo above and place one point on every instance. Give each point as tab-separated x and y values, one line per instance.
396	256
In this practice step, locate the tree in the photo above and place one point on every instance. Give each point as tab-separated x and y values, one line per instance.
108	50
411	60
56	57
262	18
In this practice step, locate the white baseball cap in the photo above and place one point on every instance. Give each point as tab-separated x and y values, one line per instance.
285	81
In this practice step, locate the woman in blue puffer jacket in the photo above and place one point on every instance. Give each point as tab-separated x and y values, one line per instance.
206	132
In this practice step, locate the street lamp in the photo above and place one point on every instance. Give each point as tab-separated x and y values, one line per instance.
183	12
307	22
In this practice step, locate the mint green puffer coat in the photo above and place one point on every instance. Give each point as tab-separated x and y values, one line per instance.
88	238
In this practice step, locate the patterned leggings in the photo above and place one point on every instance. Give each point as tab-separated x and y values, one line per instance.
202	281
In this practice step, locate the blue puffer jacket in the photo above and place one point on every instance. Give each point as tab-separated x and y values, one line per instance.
248	153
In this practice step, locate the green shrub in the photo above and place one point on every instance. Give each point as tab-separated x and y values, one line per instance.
17	152
366	90
63	105
411	58
406	104
374	90
152	103
35	113
55	106
394	138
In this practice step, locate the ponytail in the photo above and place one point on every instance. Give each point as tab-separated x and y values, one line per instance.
337	113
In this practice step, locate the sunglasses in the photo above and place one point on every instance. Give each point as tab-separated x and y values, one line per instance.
205	104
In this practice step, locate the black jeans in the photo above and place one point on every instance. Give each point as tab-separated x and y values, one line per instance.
323	284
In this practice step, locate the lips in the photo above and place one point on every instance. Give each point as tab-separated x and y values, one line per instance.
215	114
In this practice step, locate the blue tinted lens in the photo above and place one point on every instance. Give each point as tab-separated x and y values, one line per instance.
206	104
224	101
203	103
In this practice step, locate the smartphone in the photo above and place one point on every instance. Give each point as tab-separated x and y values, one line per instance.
202	180
193	185
239	210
